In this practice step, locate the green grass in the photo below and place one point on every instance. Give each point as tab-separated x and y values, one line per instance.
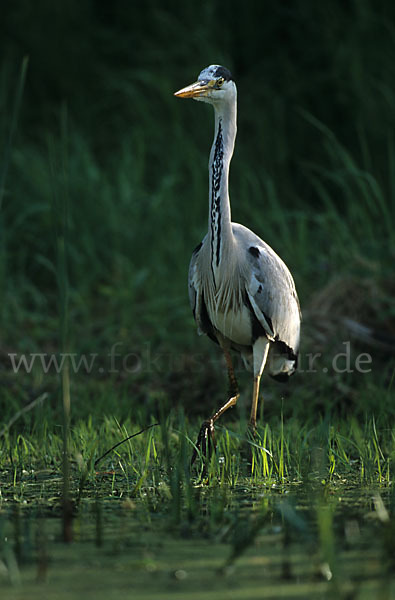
279	454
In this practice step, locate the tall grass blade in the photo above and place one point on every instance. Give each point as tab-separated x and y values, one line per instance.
60	214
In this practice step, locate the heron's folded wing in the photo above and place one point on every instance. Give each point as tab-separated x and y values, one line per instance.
271	292
195	289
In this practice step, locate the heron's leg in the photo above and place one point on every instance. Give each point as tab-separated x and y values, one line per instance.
254	405
233	387
260	351
206	438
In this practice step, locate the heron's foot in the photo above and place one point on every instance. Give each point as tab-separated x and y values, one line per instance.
251	430
205	443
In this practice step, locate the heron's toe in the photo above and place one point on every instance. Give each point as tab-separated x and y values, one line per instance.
205	443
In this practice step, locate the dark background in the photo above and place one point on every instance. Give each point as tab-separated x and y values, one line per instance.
105	184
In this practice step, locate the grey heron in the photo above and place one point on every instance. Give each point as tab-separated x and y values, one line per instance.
242	294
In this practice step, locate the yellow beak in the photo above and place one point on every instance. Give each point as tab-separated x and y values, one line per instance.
199	88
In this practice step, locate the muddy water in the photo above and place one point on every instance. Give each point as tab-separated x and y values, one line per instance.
288	542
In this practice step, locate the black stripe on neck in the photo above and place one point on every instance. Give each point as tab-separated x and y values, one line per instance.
216	176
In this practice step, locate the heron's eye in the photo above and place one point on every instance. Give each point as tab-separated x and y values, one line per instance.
220	81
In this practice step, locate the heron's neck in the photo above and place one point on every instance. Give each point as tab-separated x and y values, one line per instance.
219	220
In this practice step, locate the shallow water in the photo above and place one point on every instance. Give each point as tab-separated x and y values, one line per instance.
300	541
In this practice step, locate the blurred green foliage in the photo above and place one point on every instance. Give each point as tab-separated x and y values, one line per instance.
313	172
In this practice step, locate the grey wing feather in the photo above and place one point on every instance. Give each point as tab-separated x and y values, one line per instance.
271	290
195	288
191	285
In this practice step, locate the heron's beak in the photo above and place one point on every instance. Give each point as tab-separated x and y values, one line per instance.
195	90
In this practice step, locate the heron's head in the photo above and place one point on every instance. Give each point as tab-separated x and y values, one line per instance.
214	85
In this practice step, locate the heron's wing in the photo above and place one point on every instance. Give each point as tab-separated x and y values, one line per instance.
192	287
195	292
270	288
271	292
